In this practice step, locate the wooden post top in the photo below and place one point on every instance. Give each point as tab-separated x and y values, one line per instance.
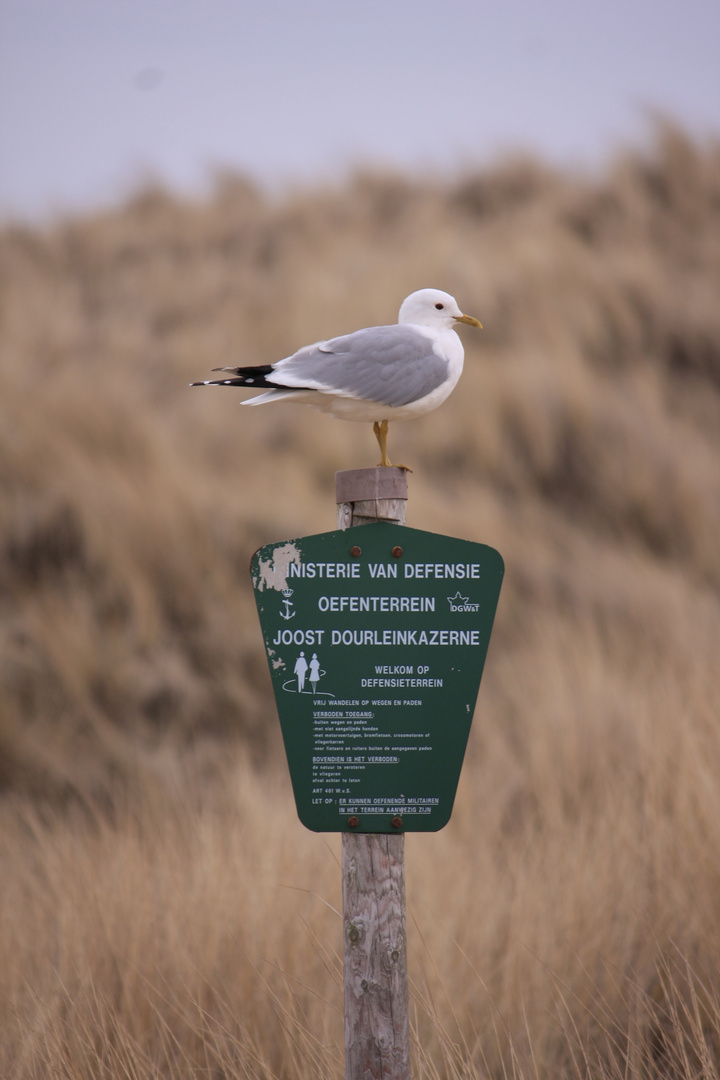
363	485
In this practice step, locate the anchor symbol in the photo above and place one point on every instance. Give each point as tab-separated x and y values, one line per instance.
287	613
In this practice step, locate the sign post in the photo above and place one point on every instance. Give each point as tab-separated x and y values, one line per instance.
375	970
376	640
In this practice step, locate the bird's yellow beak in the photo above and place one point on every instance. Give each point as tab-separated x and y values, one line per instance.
468	320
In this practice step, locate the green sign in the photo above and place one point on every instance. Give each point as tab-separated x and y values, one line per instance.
376	639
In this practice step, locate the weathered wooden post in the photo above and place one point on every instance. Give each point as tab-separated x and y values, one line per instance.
377	1041
376	641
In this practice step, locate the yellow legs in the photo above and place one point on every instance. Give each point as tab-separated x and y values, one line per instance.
380	427
381	431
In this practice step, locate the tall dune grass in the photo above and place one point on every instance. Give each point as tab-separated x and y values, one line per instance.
163	913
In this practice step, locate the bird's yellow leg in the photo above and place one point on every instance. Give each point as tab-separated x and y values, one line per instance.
381	430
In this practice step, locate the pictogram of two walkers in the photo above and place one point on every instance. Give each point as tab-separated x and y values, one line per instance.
301	670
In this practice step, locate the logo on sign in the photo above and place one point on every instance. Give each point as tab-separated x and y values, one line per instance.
287	604
461	603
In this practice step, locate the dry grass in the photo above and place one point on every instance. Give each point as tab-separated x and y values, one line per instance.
162	911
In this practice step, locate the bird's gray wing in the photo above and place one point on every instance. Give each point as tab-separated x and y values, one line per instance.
393	365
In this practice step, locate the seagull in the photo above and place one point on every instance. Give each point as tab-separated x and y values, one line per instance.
377	374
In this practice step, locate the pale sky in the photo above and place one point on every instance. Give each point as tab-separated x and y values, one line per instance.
96	95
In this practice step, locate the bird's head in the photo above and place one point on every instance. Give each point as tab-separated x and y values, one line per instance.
431	307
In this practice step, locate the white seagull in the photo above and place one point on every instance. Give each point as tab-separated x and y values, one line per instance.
378	374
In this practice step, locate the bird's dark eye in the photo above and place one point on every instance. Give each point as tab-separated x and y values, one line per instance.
439	306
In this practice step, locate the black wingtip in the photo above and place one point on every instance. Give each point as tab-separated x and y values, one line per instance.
253	377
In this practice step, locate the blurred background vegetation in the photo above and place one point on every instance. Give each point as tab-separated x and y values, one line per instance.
144	808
